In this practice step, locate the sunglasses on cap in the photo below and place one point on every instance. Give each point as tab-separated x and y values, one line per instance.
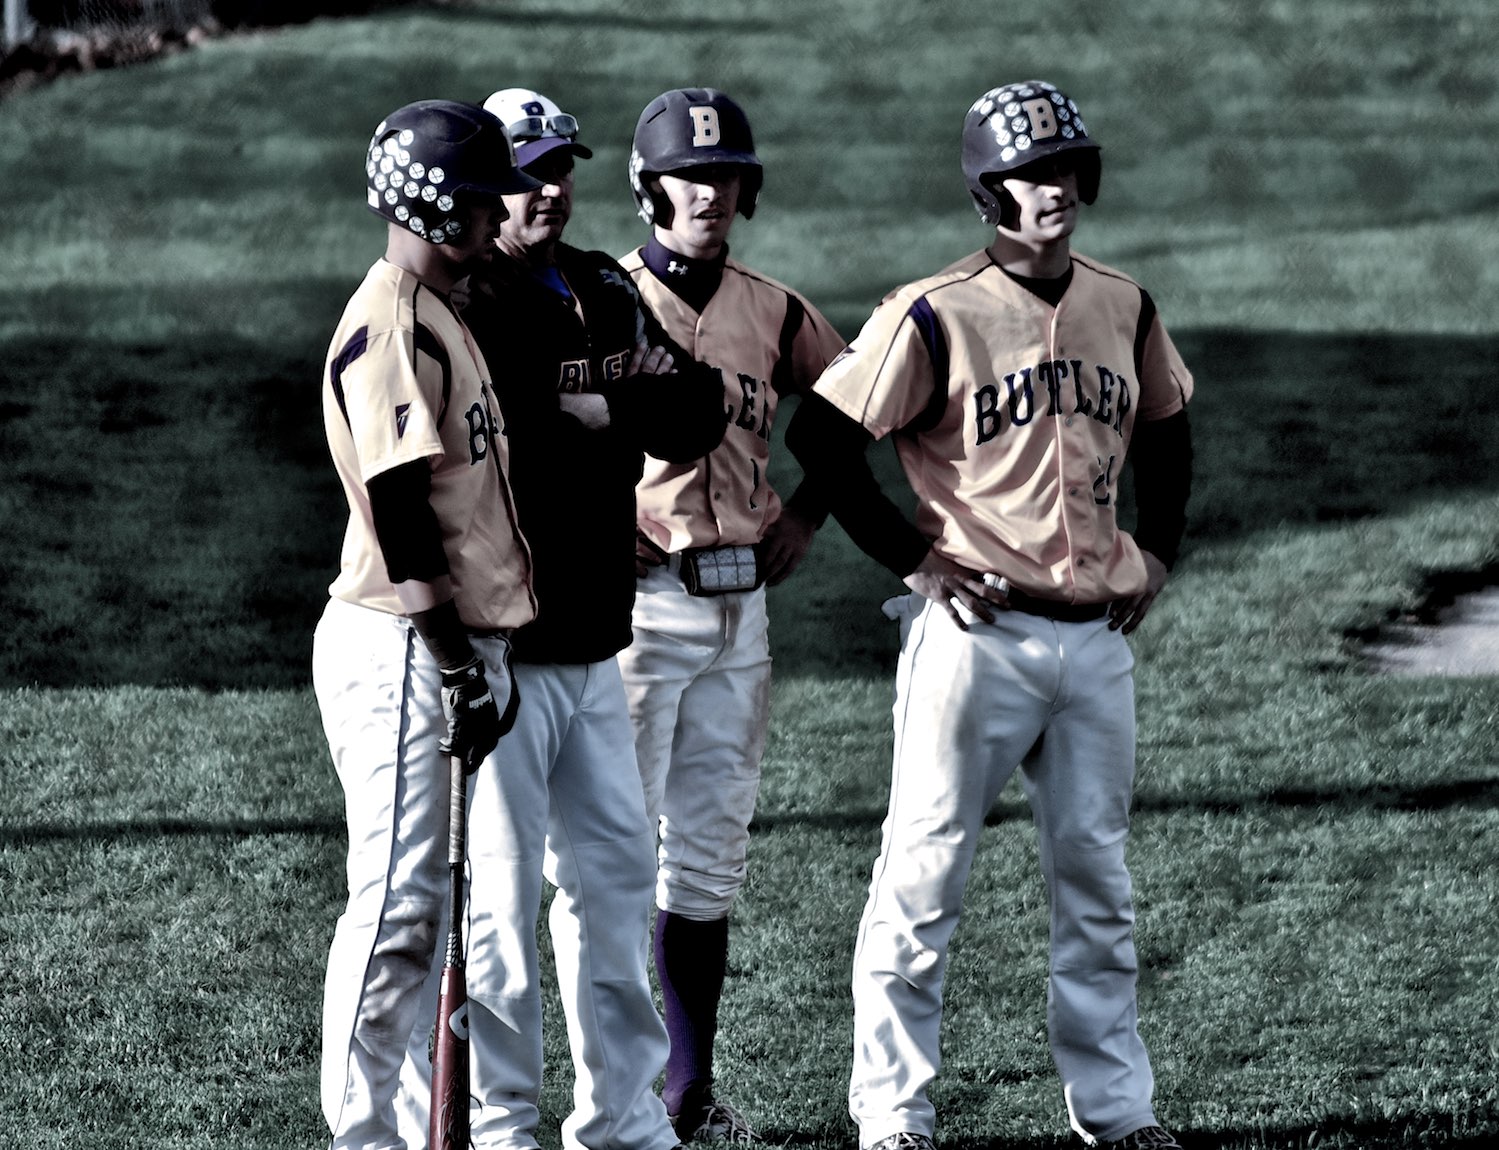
539	127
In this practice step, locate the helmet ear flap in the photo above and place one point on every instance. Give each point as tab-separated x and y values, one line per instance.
660	206
651	203
984	207
1089	173
1009	210
750	182
647	207
1006	212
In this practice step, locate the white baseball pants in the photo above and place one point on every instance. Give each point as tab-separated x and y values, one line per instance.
379	688
1056	700
560	798
697	676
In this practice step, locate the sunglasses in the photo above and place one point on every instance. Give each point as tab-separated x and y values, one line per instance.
539	127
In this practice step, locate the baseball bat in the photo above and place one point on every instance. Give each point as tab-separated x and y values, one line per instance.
448	1129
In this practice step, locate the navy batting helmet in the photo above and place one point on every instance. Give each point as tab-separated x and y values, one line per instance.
424	157
1017	124
689	128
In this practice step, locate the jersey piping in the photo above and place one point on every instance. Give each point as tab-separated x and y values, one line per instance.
930	329
358	344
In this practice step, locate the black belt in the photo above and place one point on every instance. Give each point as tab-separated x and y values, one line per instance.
1051	609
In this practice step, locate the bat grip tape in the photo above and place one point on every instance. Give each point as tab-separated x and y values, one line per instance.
457	856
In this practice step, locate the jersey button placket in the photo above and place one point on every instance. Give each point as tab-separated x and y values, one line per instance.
1064	457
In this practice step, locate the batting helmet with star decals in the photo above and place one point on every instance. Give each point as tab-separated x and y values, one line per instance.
689	128
1017	124
425	157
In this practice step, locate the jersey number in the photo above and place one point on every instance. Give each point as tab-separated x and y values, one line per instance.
1103	482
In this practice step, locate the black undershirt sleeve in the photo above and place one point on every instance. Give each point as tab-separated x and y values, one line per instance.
831	448
405	524
809	501
1161	455
411	542
678	417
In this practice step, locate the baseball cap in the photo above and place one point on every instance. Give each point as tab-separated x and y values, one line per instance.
536	125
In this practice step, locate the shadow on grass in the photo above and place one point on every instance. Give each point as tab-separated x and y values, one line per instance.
1420	1130
1473	794
1468	793
1478	1133
137	830
1293	428
170	516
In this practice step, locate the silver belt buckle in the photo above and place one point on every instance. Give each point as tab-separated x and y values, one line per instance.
720	570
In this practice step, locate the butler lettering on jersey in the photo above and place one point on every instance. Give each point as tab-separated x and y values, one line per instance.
575	375
481	432
753	413
1068	388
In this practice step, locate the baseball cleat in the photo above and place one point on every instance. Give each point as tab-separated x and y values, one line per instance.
1145	1138
905	1140
714	1121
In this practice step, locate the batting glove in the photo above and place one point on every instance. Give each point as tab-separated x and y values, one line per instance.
474	726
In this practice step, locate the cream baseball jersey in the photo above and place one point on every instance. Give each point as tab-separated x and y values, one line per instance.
1012	418
404	382
765	340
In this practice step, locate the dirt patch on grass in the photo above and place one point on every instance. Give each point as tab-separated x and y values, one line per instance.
1455	631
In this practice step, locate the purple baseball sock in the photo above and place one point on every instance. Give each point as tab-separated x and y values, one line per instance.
691	958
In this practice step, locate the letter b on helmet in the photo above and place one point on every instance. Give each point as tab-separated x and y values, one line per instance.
705	126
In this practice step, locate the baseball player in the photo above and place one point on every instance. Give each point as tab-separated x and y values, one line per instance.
713	534
590	383
410	659
1013	383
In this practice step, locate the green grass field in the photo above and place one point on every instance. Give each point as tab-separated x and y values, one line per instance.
1311	195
